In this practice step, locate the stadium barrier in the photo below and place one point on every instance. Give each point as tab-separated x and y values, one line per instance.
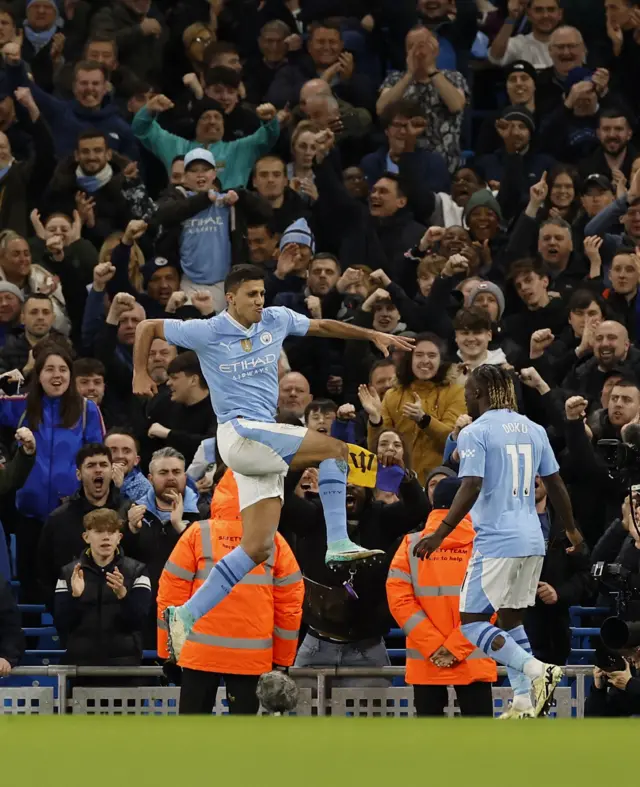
321	700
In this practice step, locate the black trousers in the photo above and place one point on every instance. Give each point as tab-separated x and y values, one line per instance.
27	530
473	700
198	692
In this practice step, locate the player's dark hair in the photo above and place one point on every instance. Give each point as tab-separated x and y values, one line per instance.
472	319
187	363
320	406
242	273
497	383
92	449
405	369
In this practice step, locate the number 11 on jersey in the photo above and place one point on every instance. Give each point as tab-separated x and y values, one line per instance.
521	485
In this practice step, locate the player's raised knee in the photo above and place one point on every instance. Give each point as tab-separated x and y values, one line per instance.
341	450
258	547
498	642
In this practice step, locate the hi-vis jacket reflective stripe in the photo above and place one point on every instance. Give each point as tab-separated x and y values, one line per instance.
257	624
424	598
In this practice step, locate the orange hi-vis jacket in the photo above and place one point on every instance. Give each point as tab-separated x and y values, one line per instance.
257	624
424	598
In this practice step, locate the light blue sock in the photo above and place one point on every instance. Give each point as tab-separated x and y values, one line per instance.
220	582
482	634
520	683
332	483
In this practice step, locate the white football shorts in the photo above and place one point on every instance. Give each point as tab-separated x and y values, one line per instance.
494	583
259	454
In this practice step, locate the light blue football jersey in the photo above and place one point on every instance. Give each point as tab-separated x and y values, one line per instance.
507	451
240	364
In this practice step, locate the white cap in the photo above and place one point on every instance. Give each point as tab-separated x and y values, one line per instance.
199	154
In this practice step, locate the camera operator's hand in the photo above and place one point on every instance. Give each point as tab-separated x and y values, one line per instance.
620	678
599	678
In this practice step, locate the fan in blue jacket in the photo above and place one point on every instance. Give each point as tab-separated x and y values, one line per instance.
62	422
90	108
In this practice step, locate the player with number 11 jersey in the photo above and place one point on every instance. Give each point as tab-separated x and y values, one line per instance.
507	450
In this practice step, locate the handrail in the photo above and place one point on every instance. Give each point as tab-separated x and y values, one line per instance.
71	671
63	672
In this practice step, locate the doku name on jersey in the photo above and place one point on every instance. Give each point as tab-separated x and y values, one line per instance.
515	427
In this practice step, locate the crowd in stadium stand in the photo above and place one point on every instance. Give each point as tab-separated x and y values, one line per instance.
464	172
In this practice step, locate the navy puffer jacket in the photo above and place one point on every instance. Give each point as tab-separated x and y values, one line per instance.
54	474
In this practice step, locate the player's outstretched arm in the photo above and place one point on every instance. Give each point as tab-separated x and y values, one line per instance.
146	332
561	502
333	329
463	502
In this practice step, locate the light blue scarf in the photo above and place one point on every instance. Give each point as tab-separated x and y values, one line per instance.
4	170
91	183
39	38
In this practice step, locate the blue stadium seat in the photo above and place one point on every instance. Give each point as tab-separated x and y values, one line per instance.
32	609
41	658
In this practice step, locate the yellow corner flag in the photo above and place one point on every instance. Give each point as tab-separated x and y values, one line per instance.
363	466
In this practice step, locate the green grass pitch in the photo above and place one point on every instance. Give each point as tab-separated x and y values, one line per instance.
307	752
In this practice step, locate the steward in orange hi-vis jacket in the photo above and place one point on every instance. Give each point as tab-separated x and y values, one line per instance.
252	629
424	599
